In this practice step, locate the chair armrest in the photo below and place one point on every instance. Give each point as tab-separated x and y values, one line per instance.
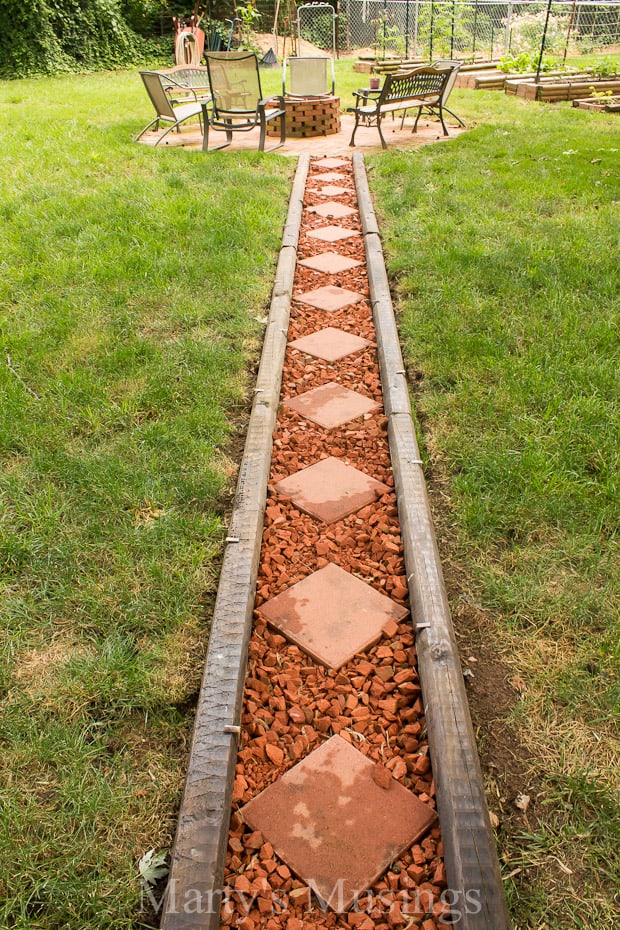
266	100
277	97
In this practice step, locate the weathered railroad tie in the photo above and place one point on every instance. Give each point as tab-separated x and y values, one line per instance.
333	778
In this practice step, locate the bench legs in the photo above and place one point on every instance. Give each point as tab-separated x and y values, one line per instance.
457	118
383	142
377	117
433	108
357	122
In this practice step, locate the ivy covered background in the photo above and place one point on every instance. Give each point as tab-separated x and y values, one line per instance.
59	36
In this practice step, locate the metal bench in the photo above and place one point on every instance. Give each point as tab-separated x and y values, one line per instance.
195	78
404	90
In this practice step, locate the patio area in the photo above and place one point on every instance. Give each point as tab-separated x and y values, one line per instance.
366	140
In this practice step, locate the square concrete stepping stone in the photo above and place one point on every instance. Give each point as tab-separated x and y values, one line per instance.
333	826
332	190
331	176
330	163
330	344
330	297
332	615
333	233
331	405
330	262
330	490
333	208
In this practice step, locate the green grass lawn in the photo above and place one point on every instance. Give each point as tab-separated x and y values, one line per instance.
503	251
132	286
132	290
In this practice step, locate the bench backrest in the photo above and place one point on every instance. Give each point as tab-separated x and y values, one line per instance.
195	76
405	85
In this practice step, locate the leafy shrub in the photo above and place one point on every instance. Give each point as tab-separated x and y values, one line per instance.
526	61
527	31
606	67
55	36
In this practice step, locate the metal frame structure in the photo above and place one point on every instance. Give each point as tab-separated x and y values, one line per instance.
161	88
308	10
421	88
479	28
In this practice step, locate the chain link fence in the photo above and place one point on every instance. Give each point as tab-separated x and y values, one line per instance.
477	28
316	22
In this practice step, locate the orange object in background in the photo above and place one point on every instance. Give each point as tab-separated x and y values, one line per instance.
189	41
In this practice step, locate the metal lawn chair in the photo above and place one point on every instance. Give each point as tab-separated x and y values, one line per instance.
237	103
308	77
444	65
447	64
161	89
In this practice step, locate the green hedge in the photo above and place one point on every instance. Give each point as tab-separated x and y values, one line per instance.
55	36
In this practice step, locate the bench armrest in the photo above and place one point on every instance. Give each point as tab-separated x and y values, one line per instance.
170	84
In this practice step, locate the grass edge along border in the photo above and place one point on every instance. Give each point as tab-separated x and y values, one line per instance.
197	865
472	864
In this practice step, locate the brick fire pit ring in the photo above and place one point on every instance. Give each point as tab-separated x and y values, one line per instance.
310	116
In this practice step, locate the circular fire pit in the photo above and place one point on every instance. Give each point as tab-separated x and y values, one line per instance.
310	116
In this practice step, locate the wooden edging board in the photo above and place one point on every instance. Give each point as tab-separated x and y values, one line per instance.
472	865
193	895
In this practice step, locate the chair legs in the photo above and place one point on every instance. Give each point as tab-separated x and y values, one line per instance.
176	126
433	109
205	139
154	122
457	118
229	128
263	130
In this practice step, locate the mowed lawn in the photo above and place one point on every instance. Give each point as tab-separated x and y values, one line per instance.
503	248
133	289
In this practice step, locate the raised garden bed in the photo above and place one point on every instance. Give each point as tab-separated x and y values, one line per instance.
385	65
498	80
552	90
605	104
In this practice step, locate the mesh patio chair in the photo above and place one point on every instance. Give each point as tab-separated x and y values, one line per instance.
308	77
237	103
161	89
451	67
447	64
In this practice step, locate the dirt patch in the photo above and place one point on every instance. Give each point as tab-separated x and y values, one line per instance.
282	45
